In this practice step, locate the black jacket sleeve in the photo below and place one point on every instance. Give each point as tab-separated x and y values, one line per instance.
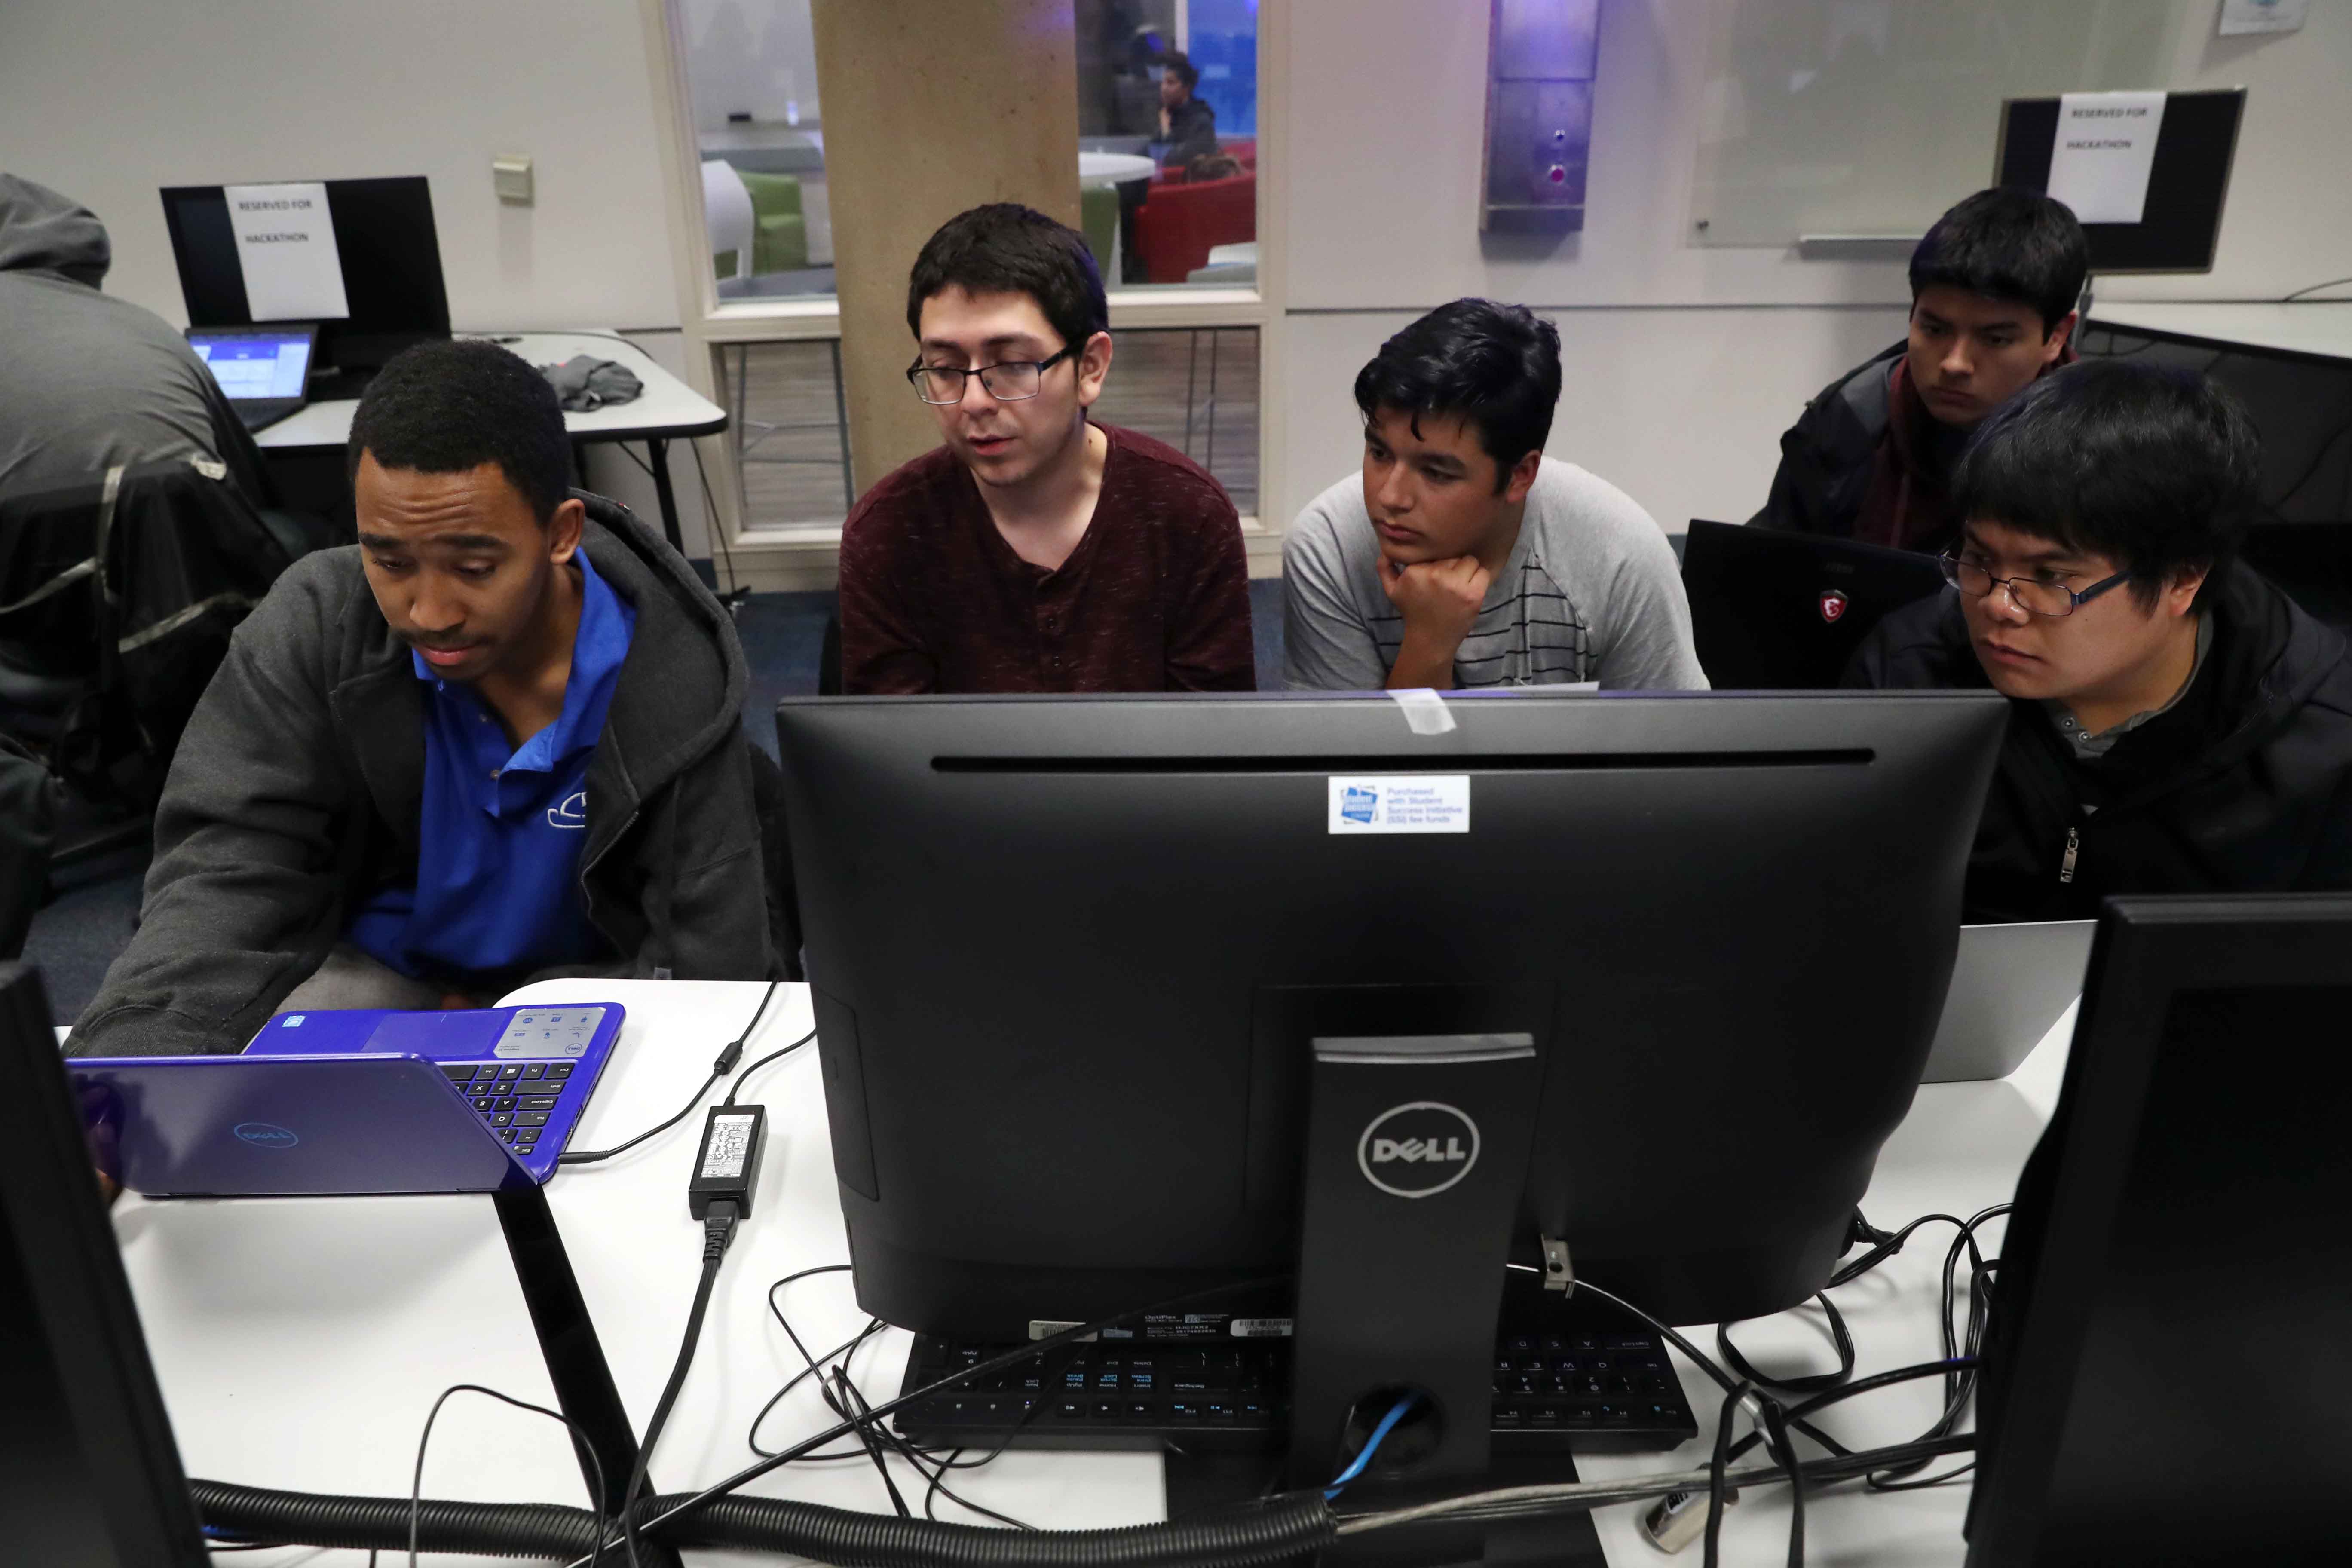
249	838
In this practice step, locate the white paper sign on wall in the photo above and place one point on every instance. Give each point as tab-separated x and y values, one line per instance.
2105	147
286	246
2263	17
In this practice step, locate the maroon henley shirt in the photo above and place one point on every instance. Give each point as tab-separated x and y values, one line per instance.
1154	598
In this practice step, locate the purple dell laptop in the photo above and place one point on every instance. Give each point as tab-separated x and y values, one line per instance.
356	1102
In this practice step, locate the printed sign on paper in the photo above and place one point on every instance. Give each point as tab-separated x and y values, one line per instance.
2105	147
286	246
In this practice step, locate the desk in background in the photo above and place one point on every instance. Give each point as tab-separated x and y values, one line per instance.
300	1341
667	410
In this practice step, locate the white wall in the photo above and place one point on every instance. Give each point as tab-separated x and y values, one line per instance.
109	100
1684	363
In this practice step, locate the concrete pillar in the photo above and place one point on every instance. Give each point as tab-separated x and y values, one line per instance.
930	108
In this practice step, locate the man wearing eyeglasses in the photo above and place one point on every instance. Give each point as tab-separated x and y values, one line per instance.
2177	724
1036	550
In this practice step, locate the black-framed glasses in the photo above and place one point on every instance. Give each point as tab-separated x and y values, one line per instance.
1007	381
2034	595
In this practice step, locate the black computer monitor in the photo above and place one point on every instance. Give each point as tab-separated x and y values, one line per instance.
2167	1378
89	1472
390	260
1069	953
2188	182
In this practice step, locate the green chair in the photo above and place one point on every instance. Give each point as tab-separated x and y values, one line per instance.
779	231
1098	219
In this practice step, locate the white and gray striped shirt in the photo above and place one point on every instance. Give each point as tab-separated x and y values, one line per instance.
1591	592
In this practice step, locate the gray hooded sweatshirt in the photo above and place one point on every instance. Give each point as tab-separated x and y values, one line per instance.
87	381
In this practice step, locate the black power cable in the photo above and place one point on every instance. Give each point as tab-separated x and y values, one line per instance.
720	1069
416	1476
671	1509
717	1231
1809	1383
744	1077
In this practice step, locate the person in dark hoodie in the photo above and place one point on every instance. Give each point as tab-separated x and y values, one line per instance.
88	382
1993	291
2176	724
1188	124
496	740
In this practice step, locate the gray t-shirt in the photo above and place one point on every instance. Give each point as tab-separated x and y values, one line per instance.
1591	592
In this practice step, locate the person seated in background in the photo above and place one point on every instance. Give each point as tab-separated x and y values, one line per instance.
1993	291
88	382
1462	556
2176	724
496	738
1036	550
1188	127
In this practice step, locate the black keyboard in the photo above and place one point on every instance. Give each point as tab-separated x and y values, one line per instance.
515	1097
1560	1390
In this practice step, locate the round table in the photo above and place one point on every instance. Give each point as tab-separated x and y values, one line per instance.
1113	168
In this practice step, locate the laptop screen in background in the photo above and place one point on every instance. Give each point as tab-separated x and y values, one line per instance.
255	364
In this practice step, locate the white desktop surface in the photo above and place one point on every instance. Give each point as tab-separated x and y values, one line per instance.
1113	168
666	406
299	1343
2300	326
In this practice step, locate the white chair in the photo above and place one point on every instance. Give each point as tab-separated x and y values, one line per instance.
727	213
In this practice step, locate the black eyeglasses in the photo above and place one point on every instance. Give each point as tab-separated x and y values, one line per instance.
2034	595
1007	381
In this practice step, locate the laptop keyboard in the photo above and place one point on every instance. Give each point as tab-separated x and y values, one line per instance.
516	1098
1582	1389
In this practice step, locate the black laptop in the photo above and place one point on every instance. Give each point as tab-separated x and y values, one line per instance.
1773	611
265	370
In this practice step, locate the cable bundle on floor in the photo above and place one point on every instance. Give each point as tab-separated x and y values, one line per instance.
1274	1531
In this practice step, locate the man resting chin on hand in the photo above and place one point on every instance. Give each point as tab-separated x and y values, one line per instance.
1463	557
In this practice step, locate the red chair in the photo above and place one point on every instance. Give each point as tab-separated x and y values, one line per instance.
1179	224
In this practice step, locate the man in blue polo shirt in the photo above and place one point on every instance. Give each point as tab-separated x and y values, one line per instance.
497	738
499	864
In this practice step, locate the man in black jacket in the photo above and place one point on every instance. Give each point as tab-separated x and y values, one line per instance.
1188	126
1993	286
496	740
2177	724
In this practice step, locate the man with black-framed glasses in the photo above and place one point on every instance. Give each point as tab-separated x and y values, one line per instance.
2178	724
1036	550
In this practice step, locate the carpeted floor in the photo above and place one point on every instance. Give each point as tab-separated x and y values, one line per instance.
90	913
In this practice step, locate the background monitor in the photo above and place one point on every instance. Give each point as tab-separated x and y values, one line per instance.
385	238
2180	224
2301	404
89	1472
1067	954
2166	1380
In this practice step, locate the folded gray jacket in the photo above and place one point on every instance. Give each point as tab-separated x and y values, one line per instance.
297	789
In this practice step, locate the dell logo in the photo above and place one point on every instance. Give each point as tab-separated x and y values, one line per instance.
264	1135
1417	1150
1387	1149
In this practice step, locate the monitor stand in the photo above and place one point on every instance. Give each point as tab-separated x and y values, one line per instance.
1415	1157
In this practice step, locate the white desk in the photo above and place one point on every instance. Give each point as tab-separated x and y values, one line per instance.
299	1343
2317	327
665	410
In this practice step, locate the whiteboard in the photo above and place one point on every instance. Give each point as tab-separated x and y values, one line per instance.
1870	117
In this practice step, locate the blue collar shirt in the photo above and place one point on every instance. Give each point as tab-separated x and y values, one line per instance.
500	829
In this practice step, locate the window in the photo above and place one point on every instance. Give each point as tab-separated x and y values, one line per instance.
759	128
1168	140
